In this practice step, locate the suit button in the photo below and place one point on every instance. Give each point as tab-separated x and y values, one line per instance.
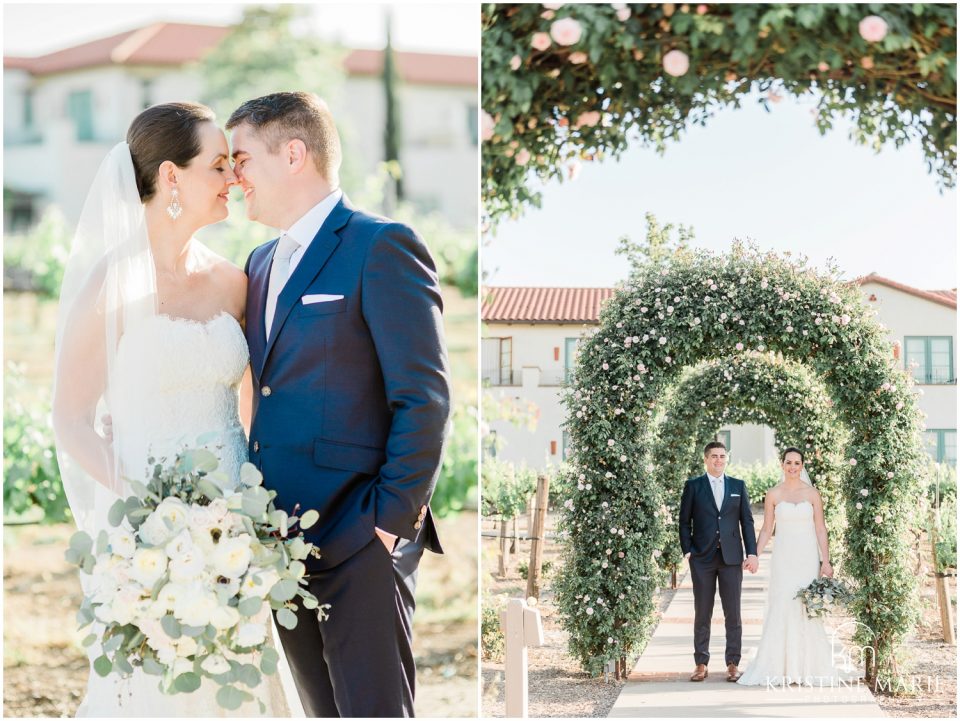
416	526
718	518
265	391
256	446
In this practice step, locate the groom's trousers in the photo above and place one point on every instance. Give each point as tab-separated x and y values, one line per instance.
707	572
359	662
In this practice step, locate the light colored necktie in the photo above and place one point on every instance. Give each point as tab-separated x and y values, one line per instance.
717	490
279	272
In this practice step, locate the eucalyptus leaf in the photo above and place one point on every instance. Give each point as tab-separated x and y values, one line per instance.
81	542
103	666
121	665
187	682
250	476
89	639
232	698
308	519
250	606
287	618
171	626
103	542
153	667
283	590
117	511
209	489
192	631
249	675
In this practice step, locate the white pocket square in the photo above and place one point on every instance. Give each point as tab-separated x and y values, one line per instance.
734	495
320	298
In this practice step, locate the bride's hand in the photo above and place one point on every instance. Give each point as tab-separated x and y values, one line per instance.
826	570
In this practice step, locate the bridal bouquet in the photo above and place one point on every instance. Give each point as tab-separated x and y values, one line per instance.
182	583
823	595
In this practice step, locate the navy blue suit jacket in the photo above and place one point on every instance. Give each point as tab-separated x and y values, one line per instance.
351	396
703	525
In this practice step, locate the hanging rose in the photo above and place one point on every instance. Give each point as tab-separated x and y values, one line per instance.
566	31
873	28
486	126
676	63
540	41
588	119
523	156
578	58
515	62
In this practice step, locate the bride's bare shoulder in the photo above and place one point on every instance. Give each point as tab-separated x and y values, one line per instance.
228	279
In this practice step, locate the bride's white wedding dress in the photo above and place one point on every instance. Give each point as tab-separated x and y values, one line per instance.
175	381
793	647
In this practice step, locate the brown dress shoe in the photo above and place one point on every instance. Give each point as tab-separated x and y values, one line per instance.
733	673
700	673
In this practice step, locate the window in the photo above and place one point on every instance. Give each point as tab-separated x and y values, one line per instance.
146	90
497	360
472	124
941	444
929	358
569	358
28	109
80	111
724	438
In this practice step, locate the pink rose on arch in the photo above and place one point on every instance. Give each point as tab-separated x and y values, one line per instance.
873	28
578	58
823	67
623	14
540	41
866	62
486	126
523	156
566	31
548	14
589	119
552	6
676	63
515	62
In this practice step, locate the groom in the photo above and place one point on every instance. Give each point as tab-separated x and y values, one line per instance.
351	398
714	510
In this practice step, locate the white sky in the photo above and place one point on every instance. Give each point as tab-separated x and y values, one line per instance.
746	174
36	28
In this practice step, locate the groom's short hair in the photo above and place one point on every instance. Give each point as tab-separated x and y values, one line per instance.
711	445
281	117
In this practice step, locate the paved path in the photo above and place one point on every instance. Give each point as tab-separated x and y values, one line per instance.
659	684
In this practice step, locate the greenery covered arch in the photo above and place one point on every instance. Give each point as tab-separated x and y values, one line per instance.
751	387
565	83
695	308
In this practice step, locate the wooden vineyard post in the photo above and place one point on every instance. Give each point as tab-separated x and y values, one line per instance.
502	564
537	537
940	581
522	629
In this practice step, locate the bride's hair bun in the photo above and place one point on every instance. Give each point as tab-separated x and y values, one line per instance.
169	131
791	449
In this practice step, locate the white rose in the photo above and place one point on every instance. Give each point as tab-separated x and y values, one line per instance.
188	566
201	518
258	582
179	544
251	634
124	606
215	664
122	542
186	646
195	607
218	509
148	565
232	556
175	511
153	531
167	654
224	617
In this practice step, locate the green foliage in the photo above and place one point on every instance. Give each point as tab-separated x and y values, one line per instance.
759	477
823	595
523	568
659	244
457	487
746	314
946	529
268	52
31	476
506	488
492	642
589	100
35	261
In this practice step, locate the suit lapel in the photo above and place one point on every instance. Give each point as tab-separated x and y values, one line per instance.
708	489
257	289
727	487
317	254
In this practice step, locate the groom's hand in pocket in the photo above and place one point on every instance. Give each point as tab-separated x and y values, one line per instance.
388	539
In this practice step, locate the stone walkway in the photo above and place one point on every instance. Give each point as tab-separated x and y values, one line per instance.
659	684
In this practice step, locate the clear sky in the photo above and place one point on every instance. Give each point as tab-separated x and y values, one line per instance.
746	174
36	28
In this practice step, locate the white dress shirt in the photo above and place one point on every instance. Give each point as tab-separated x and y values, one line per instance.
304	230
716	484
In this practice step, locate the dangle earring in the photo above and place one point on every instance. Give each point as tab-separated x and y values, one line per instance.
174	210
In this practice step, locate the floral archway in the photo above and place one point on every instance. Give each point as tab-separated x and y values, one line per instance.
696	308
763	388
571	83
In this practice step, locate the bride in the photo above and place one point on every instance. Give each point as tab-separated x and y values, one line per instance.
793	647
149	334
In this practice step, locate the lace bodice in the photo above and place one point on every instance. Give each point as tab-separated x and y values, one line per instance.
178	380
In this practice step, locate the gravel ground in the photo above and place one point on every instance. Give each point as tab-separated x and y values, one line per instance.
559	688
45	671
